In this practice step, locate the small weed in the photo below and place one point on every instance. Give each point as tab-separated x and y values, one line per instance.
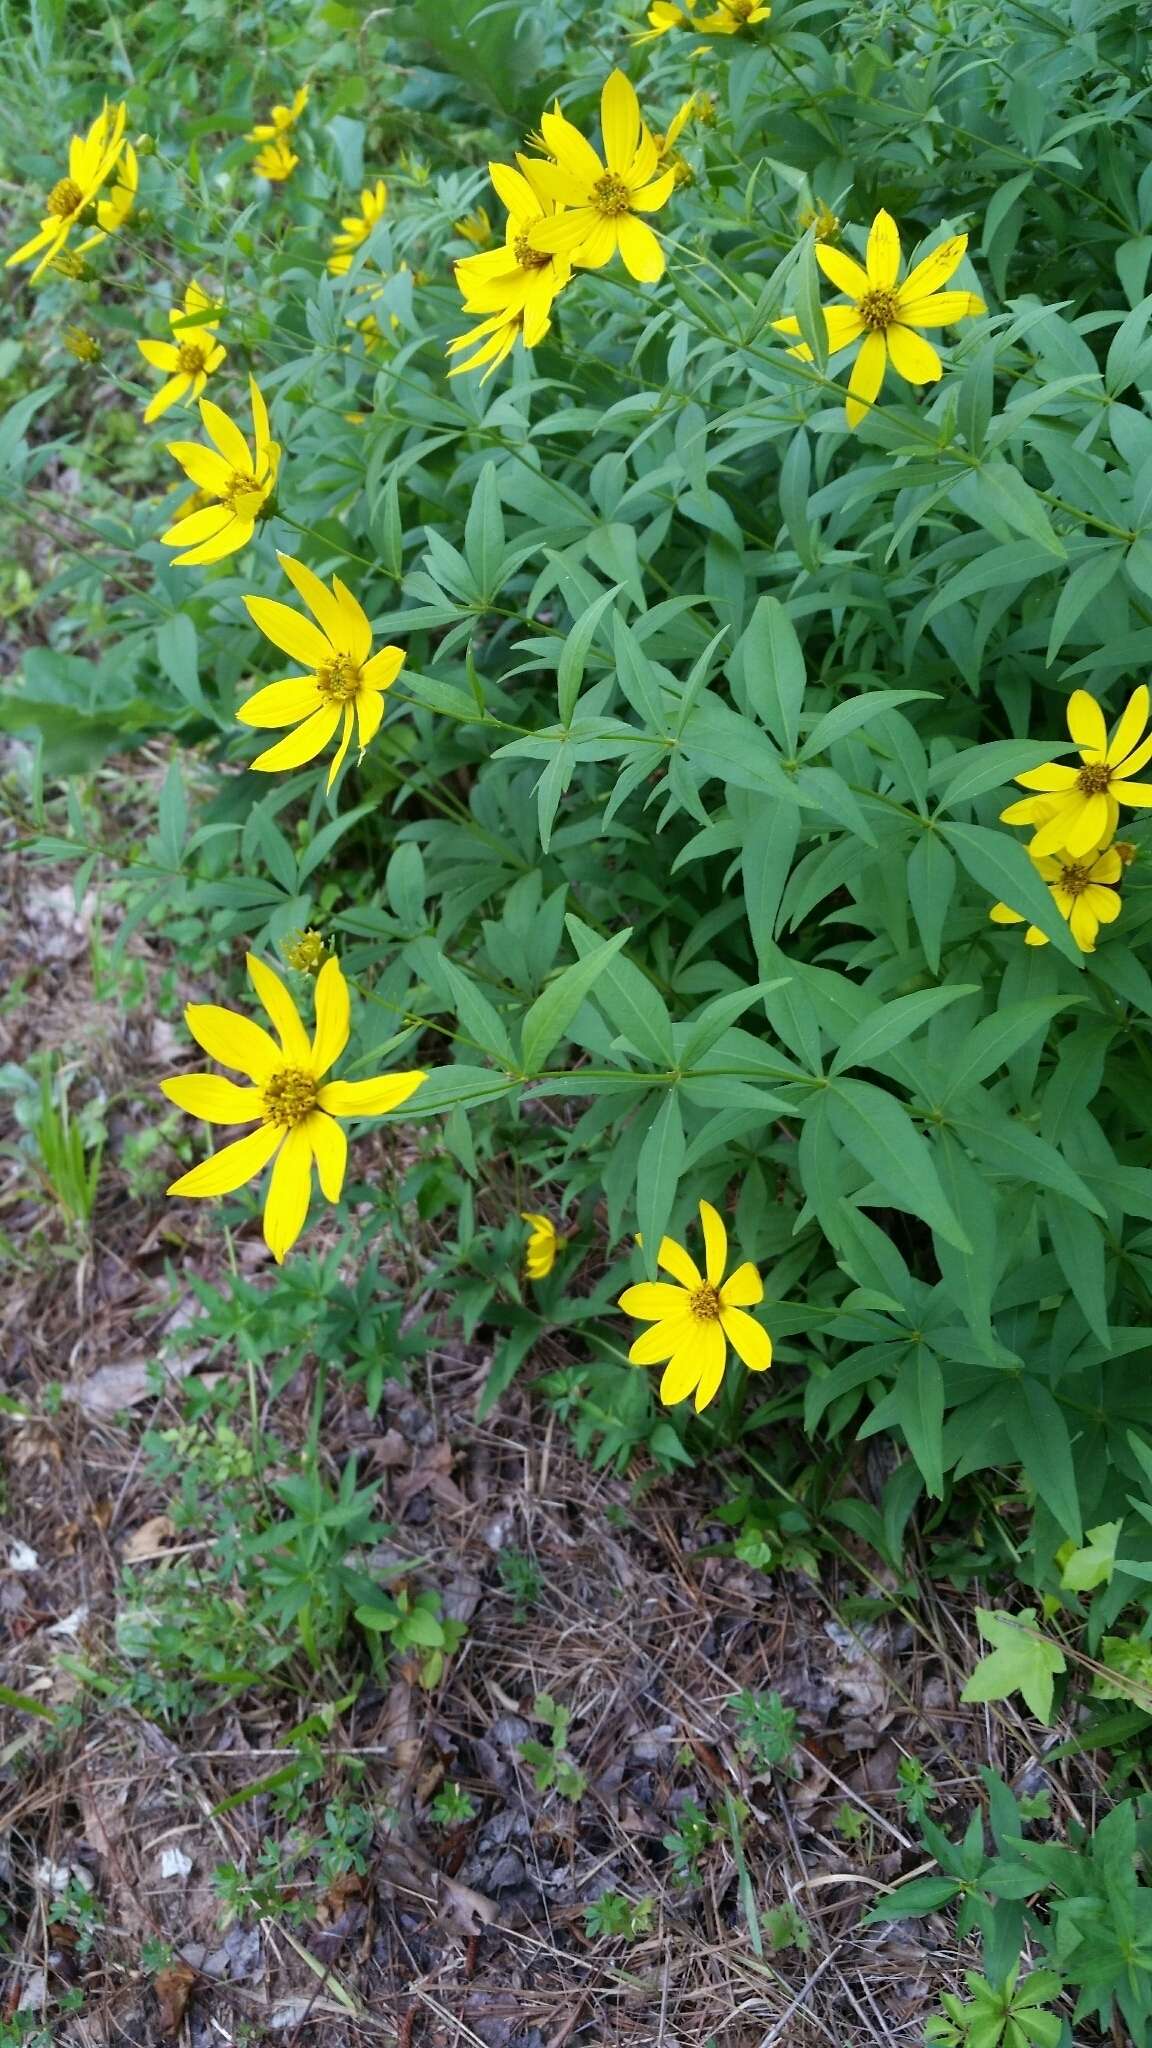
689	1842
451	1807
785	1928
765	1731
521	1579
615	1917
552	1767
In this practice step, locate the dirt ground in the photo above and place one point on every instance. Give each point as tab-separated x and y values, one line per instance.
625	1605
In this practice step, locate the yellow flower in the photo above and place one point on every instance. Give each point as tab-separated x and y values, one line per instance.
276	161
91	160
884	315
116	209
664	15
356	227
518	282
733	15
240	482
475	227
544	1242
1082	892
603	201
668	156
692	1320
307	952
820	218
1079	808
191	358
82	345
283	118
288	1100
345	679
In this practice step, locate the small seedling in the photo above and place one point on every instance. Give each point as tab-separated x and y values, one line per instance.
1011	2015
765	1731
521	1579
615	1917
552	1766
452	1807
785	1928
915	1788
689	1842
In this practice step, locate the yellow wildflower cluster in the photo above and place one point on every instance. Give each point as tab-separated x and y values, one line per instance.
569	209
97	193
276	159
726	18
1076	811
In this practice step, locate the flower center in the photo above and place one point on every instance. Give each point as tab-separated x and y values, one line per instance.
1094	780
611	196
190	358
338	680
243	495
527	257
705	1304
65	198
289	1096
1075	879
878	309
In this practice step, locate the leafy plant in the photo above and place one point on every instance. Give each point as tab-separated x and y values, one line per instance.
552	1765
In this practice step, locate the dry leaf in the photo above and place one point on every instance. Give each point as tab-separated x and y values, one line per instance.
431	1475
466	1912
113	1387
173	1988
149	1539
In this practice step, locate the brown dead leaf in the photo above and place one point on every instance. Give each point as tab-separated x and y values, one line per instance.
173	1988
123	1385
388	1450
432	1475
466	1912
149	1540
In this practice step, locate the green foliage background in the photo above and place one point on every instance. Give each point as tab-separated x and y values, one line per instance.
681	833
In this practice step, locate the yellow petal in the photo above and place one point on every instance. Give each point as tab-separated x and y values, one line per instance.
369	712
381	672
226	436
1085	833
1131	765
643	257
843	324
1001	914
935	269
1086	724
1132	723
572	153
235	1041
715	1244
212	1097
1052	776
290	632
654	1345
713	1372
332	1017
912	357
231	537
304	744
747	1338
842	270
202	466
1104	904
357	632
654	1301
282	1010
321	602
743	1287
342	749
938	309
198	526
619	122
1083	923
330	1150
374	1097
289	1192
867	377
168	395
675	1260
163	355
232	1166
282	703
883	253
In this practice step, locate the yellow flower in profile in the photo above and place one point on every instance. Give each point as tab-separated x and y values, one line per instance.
733	15
282	119
516	283
345	679
238	480
113	212
884	316
544	1242
190	359
1082	891
667	154
287	1098
307	952
276	161
475	227
603	202
664	15
355	228
821	219
71	202
1079	808
694	1321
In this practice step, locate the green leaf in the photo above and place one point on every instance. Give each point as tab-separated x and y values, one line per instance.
893	1022
1001	494
553	1011
1093	1565
992	1042
931	883
629	1000
773	669
658	1174
1038	1432
769	845
873	1127
574	654
1001	865
1008	1148
910	1901
919	1407
1021	1660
